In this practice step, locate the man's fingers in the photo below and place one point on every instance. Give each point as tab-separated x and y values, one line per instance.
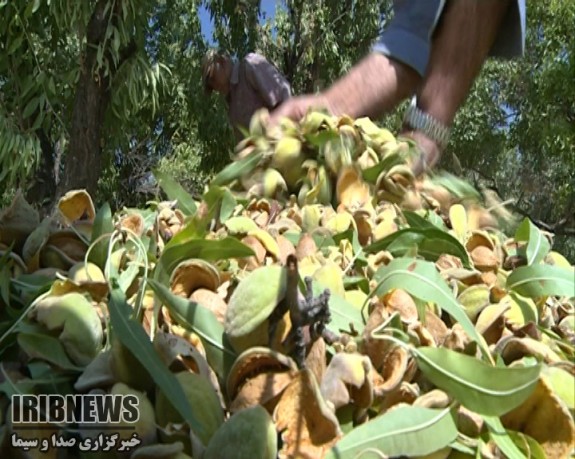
284	110
296	108
428	152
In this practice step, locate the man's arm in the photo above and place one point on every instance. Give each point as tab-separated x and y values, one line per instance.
373	86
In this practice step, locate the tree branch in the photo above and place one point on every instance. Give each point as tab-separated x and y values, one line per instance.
559	228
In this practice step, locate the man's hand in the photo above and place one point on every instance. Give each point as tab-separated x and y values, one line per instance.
297	107
429	152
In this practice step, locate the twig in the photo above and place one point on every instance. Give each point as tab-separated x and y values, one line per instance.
312	311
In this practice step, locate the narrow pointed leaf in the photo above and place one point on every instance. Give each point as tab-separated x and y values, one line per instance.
200	248
537	246
431	243
414	220
458	187
421	279
45	347
527	445
542	280
237	169
190	232
482	388
175	191
103	224
344	315
133	336
228	204
371	174
503	441
404	431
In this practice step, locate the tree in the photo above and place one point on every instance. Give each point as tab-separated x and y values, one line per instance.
67	70
97	93
516	133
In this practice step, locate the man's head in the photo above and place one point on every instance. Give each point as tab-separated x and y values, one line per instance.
216	71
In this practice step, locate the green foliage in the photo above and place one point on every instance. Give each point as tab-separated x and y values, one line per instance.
515	134
42	50
313	44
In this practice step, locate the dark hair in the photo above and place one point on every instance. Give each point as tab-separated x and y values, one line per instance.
211	57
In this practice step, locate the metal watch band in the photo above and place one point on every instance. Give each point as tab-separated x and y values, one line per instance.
427	124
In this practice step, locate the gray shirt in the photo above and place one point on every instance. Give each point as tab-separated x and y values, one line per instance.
254	84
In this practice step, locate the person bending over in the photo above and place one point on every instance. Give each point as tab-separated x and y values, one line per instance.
247	85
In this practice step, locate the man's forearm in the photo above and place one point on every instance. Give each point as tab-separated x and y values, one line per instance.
372	87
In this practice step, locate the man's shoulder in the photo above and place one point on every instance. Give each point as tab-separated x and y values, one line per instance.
254	58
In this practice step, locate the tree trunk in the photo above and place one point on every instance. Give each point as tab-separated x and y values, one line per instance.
83	162
43	190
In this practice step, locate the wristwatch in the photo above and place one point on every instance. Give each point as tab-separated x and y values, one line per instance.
418	120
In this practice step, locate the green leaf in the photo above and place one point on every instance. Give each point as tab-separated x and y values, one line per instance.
322	240
37	121
203	322
174	190
537	246
190	232
405	431
528	445
51	87
320	138
45	347
499	435
242	225
421	279
562	383
431	243
5	275
103	224
199	248
213	200
228	205
430	220
456	186
414	220
29	386
482	388
358	251
132	335
542	280
371	174
344	315
237	169
8	387
356	281
15	44
31	106
128	275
